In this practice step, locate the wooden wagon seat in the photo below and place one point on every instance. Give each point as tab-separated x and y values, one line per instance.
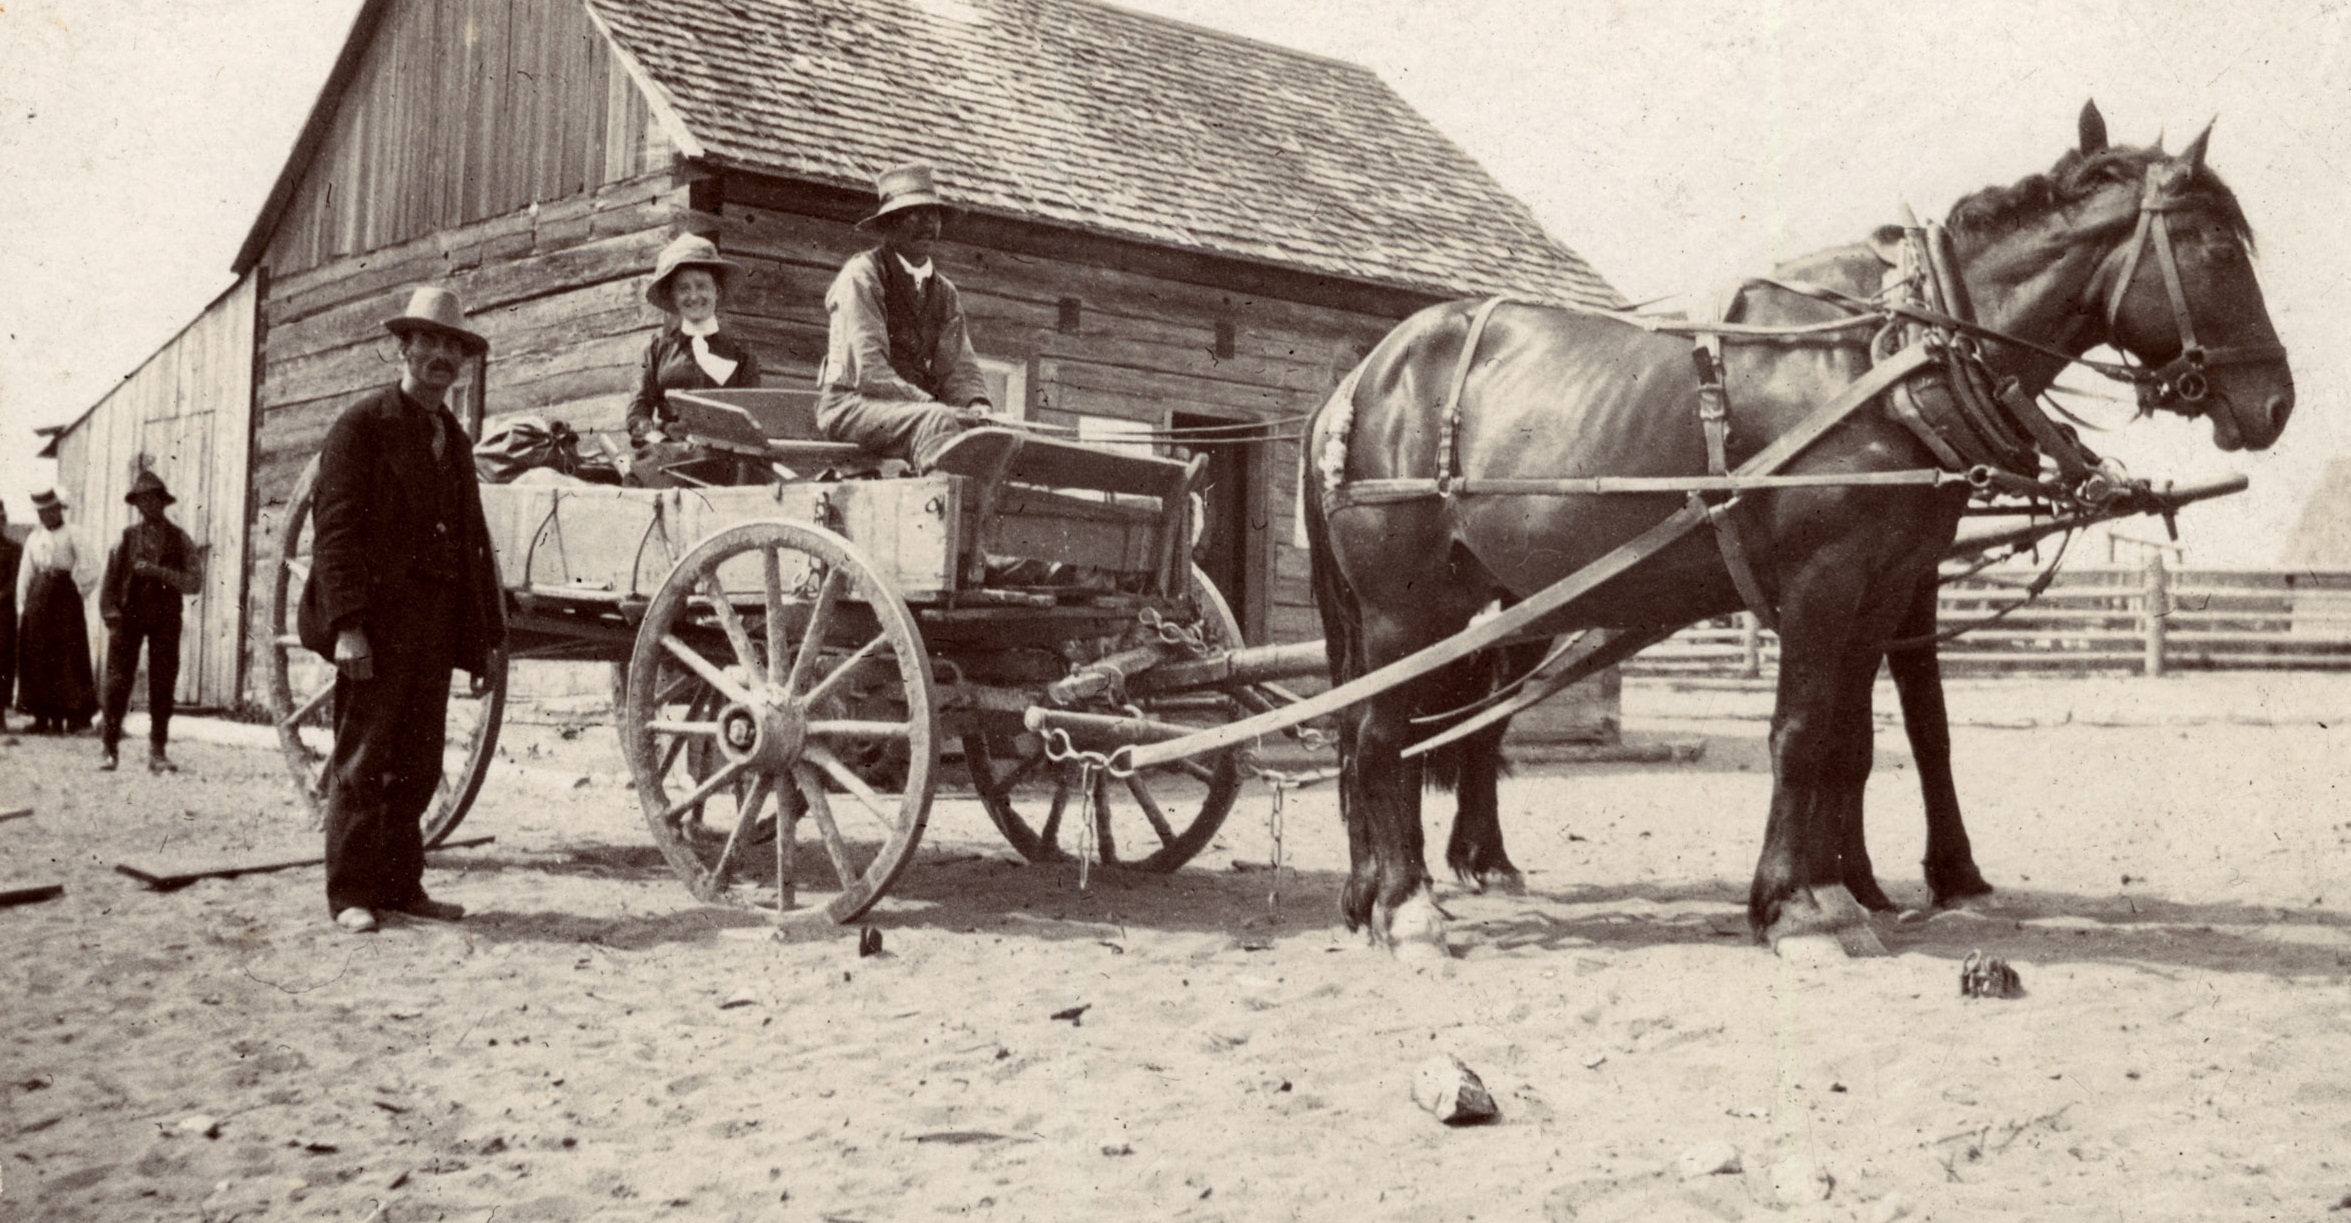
778	424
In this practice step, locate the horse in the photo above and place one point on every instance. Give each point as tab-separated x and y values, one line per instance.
2053	266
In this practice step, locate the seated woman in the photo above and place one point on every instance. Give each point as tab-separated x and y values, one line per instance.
692	352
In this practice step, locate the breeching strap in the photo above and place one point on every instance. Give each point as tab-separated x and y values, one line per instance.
1522	618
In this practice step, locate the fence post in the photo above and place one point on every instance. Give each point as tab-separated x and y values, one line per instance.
2155	607
1750	645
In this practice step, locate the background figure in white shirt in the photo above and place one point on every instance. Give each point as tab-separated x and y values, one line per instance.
54	684
899	377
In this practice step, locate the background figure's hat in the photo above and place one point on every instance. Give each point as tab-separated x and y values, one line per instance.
148	484
904	187
47	500
690	251
433	308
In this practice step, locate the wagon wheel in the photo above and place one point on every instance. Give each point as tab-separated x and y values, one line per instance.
299	687
777	650
1140	821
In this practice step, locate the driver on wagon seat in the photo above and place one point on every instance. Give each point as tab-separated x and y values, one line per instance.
899	378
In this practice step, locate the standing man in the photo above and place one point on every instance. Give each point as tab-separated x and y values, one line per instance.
899	376
151	570
402	590
53	680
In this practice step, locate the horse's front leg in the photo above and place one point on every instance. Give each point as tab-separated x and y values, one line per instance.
1799	901
1951	872
1848	785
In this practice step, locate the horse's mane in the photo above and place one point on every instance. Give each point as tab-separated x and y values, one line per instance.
1995	211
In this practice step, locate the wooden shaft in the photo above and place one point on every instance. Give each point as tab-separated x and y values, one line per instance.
1251	665
1102	730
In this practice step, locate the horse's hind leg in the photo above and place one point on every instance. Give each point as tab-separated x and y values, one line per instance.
1848	782
1951	872
1474	850
1388	888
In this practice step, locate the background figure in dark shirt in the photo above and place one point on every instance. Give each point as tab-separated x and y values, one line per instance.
691	352
11	552
150	572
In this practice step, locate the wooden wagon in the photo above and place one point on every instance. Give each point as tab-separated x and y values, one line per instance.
795	639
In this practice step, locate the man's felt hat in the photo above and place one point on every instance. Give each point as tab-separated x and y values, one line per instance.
433	308
148	484
689	251
904	187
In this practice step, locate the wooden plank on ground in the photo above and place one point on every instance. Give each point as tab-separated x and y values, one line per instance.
165	880
15	813
30	894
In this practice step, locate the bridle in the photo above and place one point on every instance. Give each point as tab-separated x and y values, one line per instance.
2181	379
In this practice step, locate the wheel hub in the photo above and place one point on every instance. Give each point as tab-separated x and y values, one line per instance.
767	734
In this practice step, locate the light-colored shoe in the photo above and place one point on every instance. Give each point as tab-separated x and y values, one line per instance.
356	920
108	761
159	763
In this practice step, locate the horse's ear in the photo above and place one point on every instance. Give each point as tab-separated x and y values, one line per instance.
2093	127
1886	243
2193	155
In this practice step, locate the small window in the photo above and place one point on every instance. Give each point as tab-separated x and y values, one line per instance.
1072	315
1226	339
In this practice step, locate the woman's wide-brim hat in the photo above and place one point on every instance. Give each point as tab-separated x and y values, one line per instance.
148	484
47	500
690	251
433	308
903	187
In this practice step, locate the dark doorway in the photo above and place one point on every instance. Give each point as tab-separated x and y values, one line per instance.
1222	550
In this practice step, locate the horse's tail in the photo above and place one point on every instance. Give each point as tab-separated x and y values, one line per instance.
1342	617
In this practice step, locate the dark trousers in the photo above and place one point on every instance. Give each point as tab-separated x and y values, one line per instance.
380	780
123	639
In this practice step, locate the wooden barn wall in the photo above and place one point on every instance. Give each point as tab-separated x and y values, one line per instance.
464	110
557	288
1143	348
186	413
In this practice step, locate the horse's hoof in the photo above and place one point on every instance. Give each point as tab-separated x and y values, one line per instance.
1416	931
1505	882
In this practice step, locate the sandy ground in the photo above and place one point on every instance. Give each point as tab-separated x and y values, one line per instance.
2175	865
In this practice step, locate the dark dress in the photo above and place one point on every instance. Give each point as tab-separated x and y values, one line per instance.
53	676
401	552
11	552
669	365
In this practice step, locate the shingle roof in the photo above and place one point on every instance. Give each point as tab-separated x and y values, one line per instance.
1103	120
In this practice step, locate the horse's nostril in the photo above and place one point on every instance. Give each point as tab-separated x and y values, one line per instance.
2279	407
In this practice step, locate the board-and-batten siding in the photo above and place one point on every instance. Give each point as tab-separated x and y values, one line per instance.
463	110
1144	349
187	413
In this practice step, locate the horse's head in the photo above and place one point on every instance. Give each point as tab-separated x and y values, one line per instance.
2158	262
2178	292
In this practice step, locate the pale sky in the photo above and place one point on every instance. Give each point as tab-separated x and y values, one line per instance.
1673	144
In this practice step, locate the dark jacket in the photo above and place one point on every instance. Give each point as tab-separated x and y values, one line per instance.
394	530
145	598
669	365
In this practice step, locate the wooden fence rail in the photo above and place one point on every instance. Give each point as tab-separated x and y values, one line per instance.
2146	619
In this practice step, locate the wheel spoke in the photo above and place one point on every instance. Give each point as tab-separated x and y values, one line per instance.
721	606
308	706
1050	835
821	808
1150	808
703	667
855	785
834	678
699	705
710	785
749	813
771	573
1105	843
819	622
705	730
846	728
1197	770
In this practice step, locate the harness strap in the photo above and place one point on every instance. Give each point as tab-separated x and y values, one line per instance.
1451	425
1734	559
